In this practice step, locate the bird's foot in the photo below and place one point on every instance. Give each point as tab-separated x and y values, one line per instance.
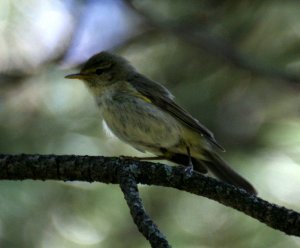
188	170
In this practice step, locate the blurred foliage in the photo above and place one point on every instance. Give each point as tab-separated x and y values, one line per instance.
256	118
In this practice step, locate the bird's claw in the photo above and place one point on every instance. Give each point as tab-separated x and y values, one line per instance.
188	170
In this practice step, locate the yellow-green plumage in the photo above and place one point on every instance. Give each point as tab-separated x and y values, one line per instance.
143	114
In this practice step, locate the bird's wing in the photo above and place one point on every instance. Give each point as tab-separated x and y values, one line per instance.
162	98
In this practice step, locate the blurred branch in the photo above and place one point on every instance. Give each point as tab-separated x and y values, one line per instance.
12	79
112	169
144	36
145	225
201	39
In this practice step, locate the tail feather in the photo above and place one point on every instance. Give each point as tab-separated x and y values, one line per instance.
216	165
223	171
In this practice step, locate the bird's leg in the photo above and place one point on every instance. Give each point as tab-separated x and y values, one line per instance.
190	167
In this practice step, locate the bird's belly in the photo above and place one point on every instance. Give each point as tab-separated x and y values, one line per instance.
141	124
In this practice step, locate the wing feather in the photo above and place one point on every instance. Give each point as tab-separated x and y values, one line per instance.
162	98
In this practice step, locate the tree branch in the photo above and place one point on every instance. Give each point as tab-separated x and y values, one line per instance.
110	169
145	225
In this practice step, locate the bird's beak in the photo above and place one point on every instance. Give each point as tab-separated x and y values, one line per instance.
76	76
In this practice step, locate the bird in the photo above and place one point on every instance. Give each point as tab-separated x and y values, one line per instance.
143	113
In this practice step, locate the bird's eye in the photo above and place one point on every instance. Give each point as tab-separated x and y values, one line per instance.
99	71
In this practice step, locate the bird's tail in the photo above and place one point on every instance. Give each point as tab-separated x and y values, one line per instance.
214	163
224	172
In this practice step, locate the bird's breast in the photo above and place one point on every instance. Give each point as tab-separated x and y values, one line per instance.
139	122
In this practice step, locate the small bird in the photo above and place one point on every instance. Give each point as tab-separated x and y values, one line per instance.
143	114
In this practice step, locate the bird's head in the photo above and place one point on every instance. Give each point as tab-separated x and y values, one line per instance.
102	70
